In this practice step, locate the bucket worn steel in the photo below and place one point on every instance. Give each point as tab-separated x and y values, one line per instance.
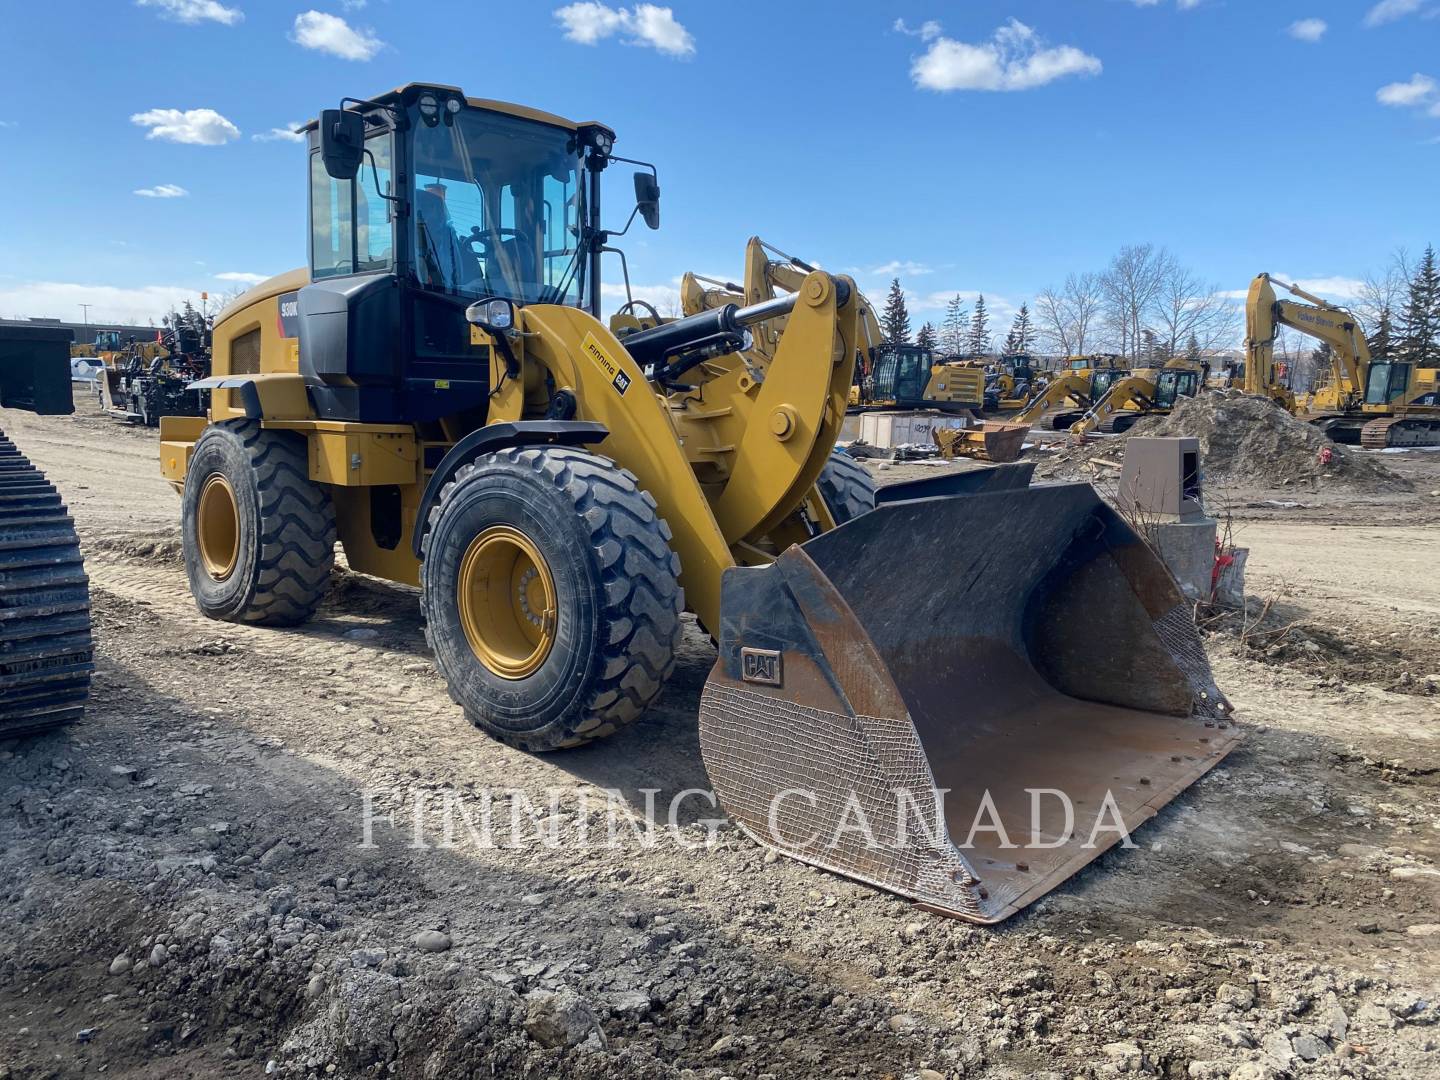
1053	655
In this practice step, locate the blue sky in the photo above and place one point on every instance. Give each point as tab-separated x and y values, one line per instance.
984	146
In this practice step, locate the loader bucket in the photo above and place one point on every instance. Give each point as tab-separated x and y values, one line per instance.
963	699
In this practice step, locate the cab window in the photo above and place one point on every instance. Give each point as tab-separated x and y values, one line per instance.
332	217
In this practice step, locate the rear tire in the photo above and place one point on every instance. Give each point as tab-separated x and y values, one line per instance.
847	487
581	635
258	534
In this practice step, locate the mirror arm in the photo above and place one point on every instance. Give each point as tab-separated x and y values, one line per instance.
375	179
624	266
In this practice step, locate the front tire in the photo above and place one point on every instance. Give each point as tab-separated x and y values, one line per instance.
847	487
258	534
550	595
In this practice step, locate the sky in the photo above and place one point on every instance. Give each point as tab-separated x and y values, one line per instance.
963	147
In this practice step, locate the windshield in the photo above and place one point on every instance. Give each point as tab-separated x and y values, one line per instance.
498	209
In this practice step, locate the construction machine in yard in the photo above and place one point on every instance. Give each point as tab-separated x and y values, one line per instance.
1375	403
144	382
1081	391
46	656
437	390
1140	393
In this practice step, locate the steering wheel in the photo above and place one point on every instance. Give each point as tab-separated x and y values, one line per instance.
625	309
482	236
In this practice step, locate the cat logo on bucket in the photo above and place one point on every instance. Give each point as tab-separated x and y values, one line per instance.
761	666
606	363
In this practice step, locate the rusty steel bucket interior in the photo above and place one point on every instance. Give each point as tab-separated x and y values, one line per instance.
1021	651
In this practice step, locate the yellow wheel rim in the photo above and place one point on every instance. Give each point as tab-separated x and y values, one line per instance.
506	598
217	527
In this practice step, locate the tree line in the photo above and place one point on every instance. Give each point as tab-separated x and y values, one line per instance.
962	332
1146	305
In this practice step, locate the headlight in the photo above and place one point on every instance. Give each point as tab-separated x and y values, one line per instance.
453	105
429	108
498	315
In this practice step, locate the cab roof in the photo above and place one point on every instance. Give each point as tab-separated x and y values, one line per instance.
412	90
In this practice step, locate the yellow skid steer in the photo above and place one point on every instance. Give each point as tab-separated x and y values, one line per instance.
437	391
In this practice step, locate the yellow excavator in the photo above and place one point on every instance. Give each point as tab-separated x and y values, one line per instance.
437	391
1081	391
1142	393
1377	404
888	376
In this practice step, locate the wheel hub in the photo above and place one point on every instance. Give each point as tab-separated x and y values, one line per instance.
506	601
217	527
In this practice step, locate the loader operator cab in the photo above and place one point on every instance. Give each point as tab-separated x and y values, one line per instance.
422	202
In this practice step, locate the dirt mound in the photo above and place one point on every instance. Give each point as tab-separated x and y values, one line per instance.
1244	440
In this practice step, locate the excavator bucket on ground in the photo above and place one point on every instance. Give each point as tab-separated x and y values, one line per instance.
967	739
988	440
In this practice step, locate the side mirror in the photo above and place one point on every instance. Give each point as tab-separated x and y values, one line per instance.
647	198
342	142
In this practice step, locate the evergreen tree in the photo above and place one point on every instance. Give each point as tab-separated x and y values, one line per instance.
1420	321
927	338
978	342
1382	340
1022	333
895	322
954	330
1192	347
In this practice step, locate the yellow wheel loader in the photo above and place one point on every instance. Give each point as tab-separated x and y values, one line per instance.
437	391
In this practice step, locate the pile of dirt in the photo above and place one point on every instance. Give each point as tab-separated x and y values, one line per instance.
1246	441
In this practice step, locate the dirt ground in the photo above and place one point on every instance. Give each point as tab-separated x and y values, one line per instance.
188	887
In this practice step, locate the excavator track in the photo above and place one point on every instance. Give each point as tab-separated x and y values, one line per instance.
1400	431
46	655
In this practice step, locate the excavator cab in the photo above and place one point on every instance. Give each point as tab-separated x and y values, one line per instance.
1386	382
1103	379
1173	384
900	373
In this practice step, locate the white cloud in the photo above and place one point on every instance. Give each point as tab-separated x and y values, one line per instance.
666	297
899	268
1311	30
1014	59
108	303
589	23
332	34
241	278
194	11
281	134
926	31
162	191
1389	10
201	127
1183	5
1415	90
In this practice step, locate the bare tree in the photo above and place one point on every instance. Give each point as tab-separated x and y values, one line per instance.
1131	285
1186	307
1383	293
1066	317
